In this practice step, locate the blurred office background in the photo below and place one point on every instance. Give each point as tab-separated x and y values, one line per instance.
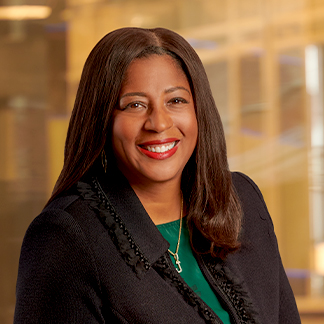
265	62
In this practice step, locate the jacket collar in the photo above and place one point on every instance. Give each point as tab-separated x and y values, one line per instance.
122	214
134	215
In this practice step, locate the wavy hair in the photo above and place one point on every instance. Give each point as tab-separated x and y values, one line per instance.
214	211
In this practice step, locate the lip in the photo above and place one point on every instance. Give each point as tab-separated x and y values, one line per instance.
158	142
156	155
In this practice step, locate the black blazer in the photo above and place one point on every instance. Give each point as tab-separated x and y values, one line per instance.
94	256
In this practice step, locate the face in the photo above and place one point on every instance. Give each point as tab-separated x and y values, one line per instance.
155	128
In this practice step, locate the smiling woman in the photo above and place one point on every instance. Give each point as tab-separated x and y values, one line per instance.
146	223
154	130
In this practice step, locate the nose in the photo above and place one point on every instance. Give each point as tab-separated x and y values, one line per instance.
158	119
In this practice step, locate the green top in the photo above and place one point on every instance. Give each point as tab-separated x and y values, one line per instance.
191	272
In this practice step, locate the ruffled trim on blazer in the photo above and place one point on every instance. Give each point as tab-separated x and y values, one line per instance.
100	204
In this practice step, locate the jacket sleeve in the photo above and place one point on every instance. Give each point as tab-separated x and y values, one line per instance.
57	278
286	310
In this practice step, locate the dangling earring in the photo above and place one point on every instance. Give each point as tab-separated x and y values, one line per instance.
104	160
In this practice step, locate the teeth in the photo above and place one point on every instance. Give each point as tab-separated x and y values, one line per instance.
161	149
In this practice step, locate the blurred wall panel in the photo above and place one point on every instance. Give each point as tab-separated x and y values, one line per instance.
7	147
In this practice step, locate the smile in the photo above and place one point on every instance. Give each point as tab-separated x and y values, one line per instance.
160	148
159	151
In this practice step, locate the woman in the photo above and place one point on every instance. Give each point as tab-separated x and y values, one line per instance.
145	223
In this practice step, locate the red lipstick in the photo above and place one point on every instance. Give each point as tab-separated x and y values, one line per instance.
159	142
156	155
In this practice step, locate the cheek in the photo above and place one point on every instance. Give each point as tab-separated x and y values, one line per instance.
119	138
121	131
191	127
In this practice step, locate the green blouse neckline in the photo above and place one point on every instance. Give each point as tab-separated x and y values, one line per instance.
191	272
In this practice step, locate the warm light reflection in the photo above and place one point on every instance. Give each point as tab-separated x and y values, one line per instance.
24	12
319	258
312	69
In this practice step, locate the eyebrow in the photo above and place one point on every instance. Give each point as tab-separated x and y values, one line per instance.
134	94
175	89
143	94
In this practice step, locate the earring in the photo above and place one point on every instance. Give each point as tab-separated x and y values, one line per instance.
104	160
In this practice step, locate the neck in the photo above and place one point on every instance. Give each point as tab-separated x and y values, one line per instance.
162	201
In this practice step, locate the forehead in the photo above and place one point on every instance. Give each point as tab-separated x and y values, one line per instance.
154	68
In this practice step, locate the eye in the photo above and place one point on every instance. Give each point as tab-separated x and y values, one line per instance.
177	100
135	105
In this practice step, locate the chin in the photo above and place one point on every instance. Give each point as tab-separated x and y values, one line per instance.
162	176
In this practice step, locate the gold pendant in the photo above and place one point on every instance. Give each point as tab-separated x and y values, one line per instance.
177	261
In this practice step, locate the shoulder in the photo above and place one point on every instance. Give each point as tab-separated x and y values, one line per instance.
250	195
62	202
56	248
69	219
67	229
245	186
58	265
55	229
54	216
257	226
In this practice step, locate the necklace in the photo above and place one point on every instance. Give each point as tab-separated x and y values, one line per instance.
175	254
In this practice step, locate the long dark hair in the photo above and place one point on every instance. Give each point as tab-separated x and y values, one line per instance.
214	211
